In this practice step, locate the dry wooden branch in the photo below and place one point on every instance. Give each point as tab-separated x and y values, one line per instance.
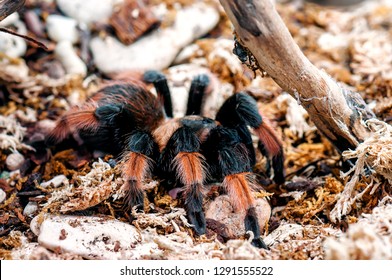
7	7
28	38
338	113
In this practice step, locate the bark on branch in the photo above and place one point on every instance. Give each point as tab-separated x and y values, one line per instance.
338	113
7	7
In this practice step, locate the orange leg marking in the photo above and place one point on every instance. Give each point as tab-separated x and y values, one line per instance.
239	187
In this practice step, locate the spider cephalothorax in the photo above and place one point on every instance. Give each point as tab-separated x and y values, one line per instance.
187	152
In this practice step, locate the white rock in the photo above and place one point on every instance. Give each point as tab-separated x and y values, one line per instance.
45	126
222	50
90	237
30	209
14	161
221	210
88	11
180	78
11	19
19	72
72	63
24	252
55	181
62	28
284	233
186	53
158	49
3	195
11	45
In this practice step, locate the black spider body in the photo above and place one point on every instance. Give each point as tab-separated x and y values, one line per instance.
183	152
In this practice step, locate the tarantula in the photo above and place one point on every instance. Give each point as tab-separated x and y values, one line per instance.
127	119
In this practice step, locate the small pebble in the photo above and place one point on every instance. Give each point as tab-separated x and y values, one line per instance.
72	63
222	210
34	23
45	126
55	181
88	11
62	28
30	209
11	45
19	72
3	195
14	161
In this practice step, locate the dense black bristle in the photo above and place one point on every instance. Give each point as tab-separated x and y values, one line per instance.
198	124
246	139
159	81
196	94
142	142
108	113
278	166
225	152
182	140
185	141
153	76
133	197
194	209
252	224
251	221
240	108
240	111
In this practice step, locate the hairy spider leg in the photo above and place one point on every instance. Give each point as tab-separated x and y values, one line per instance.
196	94
181	159
240	111
228	159
94	126
77	118
138	165
273	149
159	81
264	152
105	121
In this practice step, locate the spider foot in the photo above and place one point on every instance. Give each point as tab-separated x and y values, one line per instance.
259	243
134	198
153	76
197	219
194	209
252	224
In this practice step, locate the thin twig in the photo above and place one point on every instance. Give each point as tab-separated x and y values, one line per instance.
28	38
